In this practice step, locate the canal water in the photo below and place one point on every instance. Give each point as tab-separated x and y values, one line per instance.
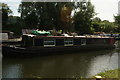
74	65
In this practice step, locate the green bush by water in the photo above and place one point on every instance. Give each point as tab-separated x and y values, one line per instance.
110	74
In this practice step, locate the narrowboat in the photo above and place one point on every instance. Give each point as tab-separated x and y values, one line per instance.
48	45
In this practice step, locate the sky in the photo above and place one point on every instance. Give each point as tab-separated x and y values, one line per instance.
105	9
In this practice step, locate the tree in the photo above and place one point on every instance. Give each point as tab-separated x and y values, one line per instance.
28	14
14	25
83	18
6	11
107	26
47	15
96	24
65	16
103	26
117	21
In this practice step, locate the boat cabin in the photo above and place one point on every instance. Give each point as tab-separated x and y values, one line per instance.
29	40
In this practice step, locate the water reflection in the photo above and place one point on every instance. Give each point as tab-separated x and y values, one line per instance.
0	62
102	63
83	64
13	70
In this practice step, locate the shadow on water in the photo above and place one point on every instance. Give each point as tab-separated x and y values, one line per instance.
75	65
0	62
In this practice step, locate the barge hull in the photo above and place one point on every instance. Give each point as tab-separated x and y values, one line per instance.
43	51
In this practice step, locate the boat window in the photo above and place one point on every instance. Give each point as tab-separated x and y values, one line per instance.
83	41
68	42
38	42
49	42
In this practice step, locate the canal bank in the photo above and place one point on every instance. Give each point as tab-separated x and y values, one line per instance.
110	74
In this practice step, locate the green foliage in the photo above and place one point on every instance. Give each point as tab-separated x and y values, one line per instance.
96	24
103	26
9	22
107	26
31	20
110	74
117	21
83	18
5	13
14	25
48	15
42	15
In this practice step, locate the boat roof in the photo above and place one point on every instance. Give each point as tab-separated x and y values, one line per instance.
87	36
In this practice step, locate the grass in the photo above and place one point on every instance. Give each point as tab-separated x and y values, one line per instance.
107	75
110	74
